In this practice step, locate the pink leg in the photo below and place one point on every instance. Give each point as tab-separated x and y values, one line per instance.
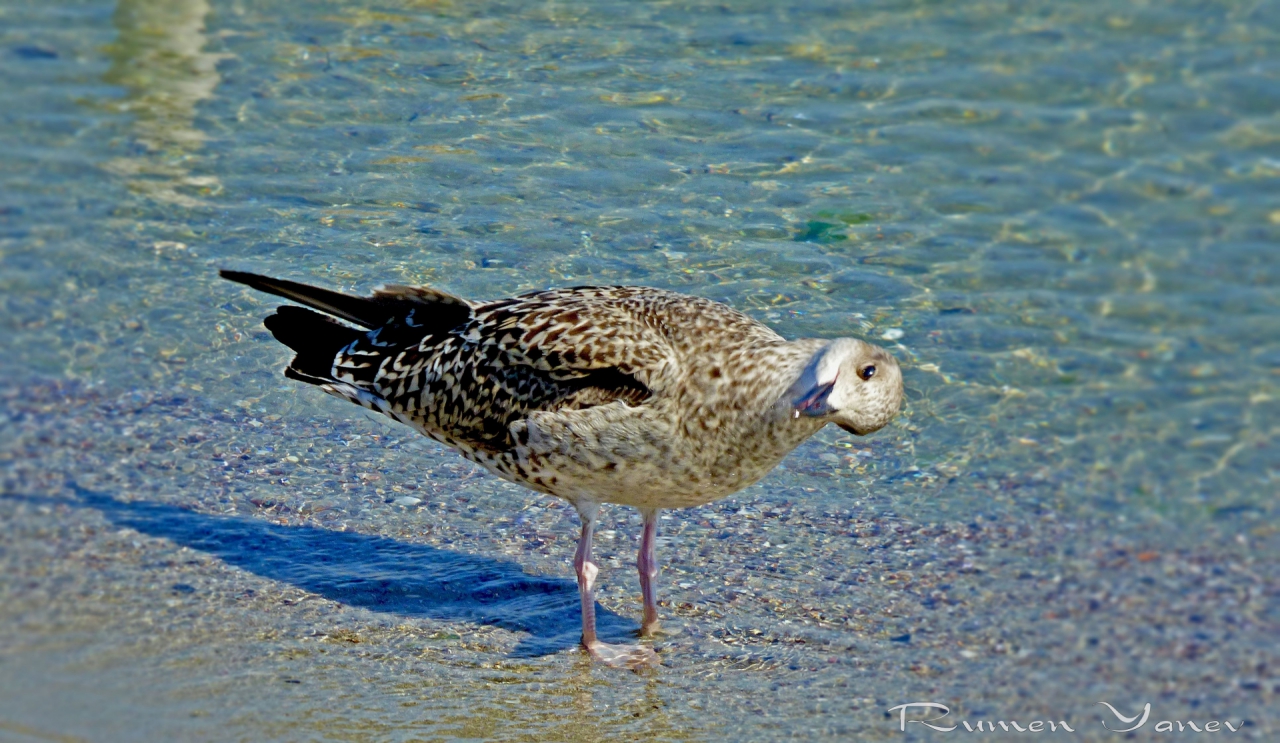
647	564
587	572
624	656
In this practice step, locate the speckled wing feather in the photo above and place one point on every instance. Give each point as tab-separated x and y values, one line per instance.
568	332
559	350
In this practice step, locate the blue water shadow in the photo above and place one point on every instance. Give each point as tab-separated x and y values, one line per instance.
378	573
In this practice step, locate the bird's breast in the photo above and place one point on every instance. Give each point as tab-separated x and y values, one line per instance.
645	457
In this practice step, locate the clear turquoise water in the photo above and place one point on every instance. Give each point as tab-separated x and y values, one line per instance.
1063	217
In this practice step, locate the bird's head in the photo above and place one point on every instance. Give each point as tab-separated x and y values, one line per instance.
853	384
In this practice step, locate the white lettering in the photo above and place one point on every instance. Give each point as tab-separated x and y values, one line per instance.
1038	726
1146	711
902	715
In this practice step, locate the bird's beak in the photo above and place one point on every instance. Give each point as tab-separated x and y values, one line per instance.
814	402
809	398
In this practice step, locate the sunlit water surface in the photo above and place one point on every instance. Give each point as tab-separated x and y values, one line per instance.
1062	218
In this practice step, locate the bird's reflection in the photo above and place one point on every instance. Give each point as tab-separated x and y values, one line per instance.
159	59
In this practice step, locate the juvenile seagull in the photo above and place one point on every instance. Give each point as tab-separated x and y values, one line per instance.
595	394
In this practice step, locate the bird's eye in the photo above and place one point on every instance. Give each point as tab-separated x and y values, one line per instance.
867	372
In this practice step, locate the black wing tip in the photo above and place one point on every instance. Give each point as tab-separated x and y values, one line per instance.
315	338
445	311
253	280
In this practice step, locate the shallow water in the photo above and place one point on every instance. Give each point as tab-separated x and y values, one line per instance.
1063	218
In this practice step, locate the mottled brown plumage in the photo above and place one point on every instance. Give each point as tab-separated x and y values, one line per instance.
627	395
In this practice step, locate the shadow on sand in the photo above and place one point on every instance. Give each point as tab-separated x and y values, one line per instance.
376	573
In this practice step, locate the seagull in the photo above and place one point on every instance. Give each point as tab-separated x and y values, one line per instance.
595	394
